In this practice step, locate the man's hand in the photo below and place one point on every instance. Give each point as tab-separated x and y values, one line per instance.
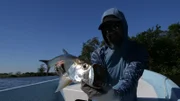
99	84
90	91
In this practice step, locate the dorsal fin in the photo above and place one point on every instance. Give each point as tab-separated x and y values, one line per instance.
65	52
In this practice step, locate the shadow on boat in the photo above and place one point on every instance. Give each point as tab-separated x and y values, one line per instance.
152	99
58	97
175	96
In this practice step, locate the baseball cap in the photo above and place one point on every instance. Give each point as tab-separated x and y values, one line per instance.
112	14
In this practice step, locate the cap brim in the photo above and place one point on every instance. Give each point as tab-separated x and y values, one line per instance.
106	21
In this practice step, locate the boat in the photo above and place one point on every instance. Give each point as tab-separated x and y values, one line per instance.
152	87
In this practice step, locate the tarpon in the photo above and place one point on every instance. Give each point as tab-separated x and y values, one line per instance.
72	71
76	70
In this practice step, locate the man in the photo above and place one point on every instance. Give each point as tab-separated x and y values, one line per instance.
124	60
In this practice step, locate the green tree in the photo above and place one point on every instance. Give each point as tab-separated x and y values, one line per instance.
88	47
163	47
41	69
174	30
18	73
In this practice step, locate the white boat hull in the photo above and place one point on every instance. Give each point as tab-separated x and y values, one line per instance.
152	87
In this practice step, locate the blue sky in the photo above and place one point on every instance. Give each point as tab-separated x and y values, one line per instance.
39	29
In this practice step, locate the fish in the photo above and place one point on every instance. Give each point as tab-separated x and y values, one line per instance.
66	57
72	71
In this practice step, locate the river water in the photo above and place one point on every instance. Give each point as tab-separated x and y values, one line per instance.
14	82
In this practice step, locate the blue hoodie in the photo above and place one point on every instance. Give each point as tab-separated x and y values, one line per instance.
125	64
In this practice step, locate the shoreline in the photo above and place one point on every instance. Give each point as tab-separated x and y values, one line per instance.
28	74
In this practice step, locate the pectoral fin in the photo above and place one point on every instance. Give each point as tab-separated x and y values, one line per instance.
63	82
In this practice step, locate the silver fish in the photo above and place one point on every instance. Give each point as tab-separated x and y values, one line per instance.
65	57
72	71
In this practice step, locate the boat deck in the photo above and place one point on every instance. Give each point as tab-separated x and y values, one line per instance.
145	92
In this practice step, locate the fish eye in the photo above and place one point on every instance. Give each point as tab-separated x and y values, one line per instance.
85	66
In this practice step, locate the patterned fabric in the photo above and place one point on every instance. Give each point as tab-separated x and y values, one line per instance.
124	68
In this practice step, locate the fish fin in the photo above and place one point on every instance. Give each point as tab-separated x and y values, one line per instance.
63	82
65	52
77	61
45	61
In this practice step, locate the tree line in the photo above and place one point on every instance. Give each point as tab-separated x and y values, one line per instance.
41	71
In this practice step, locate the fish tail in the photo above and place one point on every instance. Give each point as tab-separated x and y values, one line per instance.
46	62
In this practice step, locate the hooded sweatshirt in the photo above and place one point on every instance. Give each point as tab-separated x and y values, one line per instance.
125	64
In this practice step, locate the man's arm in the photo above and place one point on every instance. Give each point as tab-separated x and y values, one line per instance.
95	58
130	79
132	72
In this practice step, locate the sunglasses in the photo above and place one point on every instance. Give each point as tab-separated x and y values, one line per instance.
110	27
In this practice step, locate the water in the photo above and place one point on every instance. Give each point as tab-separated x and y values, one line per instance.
14	82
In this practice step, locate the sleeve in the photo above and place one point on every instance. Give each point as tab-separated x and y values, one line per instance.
132	73
95	59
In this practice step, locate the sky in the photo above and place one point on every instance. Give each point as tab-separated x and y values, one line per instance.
31	30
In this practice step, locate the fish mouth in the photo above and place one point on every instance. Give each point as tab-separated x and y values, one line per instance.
63	69
60	70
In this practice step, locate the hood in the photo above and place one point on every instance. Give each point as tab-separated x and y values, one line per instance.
115	12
